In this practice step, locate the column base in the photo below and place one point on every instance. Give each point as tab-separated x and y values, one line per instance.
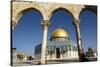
42	62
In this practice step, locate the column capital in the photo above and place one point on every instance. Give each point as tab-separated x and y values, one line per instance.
45	24
76	22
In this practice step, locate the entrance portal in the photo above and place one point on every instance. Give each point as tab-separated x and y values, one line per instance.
57	53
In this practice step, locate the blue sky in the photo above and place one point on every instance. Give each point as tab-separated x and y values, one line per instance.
28	31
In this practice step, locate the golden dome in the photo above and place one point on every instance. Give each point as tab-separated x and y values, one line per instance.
59	33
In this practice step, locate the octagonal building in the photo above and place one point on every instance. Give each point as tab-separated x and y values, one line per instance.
59	47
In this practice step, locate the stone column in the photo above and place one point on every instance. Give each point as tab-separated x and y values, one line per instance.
79	41
45	25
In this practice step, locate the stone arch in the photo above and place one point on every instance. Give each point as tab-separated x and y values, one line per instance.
72	9
26	10
63	9
57	8
90	8
21	13
19	8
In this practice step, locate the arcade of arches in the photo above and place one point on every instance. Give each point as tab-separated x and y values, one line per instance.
47	9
